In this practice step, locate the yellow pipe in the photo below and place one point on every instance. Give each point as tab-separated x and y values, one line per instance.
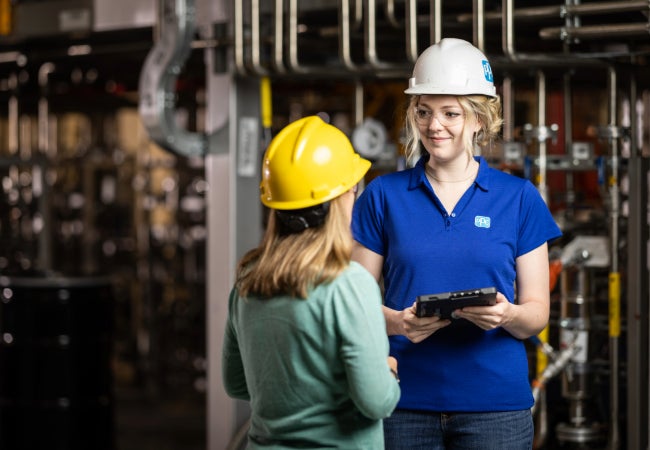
542	359
614	304
265	100
6	18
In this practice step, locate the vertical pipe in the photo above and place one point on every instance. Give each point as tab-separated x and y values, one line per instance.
479	24
614	275
541	122
278	37
435	24
637	293
411	30
345	53
508	109
568	142
238	19
12	117
508	30
44	204
358	103
256	44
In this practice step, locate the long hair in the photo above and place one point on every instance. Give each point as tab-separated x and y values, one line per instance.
485	110
292	264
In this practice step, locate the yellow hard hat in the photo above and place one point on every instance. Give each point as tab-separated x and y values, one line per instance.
308	163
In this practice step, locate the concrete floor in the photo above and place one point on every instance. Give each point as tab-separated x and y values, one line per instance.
159	422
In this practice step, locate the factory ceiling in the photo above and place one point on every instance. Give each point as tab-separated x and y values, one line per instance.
342	38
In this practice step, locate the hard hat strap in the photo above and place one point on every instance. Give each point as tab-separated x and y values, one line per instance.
298	220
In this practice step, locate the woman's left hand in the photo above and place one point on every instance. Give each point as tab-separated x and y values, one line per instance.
487	317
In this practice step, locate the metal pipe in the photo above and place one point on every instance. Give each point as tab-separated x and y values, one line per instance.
278	37
370	40
238	19
411	30
568	141
508	45
541	122
614	276
43	108
293	63
389	10
256	62
345	57
596	31
358	103
435	21
508	109
508	30
345	35
12	116
545	12
358	14
370	34
158	79
44	203
479	24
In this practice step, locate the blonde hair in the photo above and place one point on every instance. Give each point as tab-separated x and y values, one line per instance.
486	111
294	263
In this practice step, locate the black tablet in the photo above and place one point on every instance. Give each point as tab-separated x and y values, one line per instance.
444	303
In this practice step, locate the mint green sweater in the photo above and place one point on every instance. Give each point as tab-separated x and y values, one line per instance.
314	370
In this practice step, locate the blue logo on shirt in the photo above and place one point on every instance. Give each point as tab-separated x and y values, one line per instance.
487	71
482	222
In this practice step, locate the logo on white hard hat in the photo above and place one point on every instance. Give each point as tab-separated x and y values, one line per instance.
487	71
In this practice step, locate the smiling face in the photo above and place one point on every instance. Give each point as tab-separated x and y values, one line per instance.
441	122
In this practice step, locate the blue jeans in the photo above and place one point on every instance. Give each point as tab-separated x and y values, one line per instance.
421	430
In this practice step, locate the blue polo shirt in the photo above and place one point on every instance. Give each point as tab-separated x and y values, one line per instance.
499	218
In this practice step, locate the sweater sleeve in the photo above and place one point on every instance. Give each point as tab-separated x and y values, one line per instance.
232	366
364	346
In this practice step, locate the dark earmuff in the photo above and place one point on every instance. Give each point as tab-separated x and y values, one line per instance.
298	220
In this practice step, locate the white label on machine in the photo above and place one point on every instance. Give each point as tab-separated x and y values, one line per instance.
249	144
581	338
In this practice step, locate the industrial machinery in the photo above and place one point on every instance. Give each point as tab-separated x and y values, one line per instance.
132	133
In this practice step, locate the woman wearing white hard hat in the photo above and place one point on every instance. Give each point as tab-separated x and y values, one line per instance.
451	223
305	340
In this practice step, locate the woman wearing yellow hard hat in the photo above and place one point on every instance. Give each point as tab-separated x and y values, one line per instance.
305	341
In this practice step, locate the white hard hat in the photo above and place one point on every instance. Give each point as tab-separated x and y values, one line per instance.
452	67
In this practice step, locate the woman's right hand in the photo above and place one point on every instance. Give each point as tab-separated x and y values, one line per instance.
406	323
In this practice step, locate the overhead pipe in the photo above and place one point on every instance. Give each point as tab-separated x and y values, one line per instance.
370	39
596	31
535	13
294	65
508	45
158	79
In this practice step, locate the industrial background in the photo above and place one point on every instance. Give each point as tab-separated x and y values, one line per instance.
131	133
